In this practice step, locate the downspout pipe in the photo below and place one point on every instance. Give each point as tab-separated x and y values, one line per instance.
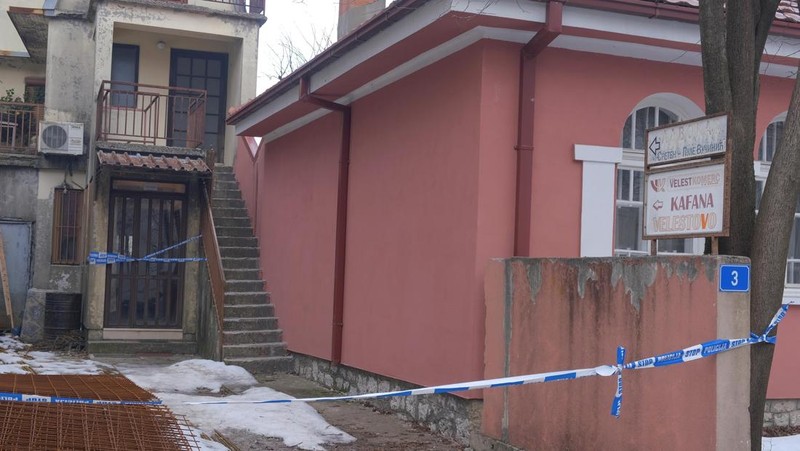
341	216
525	133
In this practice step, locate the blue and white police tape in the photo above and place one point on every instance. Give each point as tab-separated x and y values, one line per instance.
684	355
18	397
695	352
108	258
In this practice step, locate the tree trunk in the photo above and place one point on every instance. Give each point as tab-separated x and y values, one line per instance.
770	249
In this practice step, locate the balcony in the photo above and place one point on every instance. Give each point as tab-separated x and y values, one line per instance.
19	127
135	113
242	6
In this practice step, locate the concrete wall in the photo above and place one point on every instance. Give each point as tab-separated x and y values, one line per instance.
14	72
60	278
18	198
551	315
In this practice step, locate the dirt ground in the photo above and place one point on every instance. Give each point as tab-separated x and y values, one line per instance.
372	429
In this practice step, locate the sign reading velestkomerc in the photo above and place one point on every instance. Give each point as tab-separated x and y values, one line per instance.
687	141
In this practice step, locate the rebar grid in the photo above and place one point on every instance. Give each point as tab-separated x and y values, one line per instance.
45	426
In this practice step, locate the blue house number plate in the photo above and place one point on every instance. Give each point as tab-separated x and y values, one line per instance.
734	278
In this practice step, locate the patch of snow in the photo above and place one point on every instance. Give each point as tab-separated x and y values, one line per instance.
789	443
189	376
205	445
50	363
297	424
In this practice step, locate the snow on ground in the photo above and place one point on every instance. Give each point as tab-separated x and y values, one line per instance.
790	443
193	380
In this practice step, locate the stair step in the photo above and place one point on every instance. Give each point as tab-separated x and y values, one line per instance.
226	183
238	252
250	324
263	365
240	263
244	286
254	350
241	221
246	298
237	241
249	310
221	168
242	337
227	194
234	231
225	212
226	203
242	274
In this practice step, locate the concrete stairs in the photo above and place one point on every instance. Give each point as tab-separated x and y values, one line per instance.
251	337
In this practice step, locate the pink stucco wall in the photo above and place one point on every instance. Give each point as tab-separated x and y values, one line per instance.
553	315
430	200
784	382
295	226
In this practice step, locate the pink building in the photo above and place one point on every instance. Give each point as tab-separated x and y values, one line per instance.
441	134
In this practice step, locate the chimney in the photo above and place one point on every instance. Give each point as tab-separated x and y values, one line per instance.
353	13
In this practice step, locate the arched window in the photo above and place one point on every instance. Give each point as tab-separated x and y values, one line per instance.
654	111
766	151
771	139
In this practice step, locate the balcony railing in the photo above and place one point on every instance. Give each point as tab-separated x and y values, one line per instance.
154	115
248	6
19	127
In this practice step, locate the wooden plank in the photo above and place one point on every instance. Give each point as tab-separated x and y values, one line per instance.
4	280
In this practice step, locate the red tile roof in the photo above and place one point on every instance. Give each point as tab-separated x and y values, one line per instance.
788	10
125	159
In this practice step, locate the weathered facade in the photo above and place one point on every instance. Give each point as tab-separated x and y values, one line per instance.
149	82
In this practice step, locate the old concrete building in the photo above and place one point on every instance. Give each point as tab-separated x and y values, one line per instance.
113	122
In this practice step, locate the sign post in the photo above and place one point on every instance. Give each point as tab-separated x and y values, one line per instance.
687	189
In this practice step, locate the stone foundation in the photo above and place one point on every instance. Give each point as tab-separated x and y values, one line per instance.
448	415
782	412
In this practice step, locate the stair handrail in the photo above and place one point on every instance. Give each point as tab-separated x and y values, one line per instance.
214	262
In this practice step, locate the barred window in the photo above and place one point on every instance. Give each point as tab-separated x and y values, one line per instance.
67	213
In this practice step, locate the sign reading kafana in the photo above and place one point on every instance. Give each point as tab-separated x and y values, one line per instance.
685	202
686	180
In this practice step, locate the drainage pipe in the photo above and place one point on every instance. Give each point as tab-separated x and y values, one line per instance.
341	216
527	105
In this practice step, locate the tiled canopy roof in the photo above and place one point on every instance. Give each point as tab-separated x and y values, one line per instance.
788	10
126	159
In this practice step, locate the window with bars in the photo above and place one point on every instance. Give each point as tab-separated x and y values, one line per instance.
630	188
67	213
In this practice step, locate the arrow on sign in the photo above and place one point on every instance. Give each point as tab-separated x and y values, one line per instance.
658	205
655	145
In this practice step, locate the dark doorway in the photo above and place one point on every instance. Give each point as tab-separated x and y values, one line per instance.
145	217
208	71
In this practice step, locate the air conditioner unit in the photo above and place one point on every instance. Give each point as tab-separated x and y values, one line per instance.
61	138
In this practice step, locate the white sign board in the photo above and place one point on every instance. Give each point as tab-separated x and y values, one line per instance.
689	140
685	202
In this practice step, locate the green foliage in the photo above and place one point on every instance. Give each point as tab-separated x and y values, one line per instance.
11	97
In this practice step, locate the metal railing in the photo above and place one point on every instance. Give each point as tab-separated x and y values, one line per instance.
19	127
213	260
149	114
248	6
